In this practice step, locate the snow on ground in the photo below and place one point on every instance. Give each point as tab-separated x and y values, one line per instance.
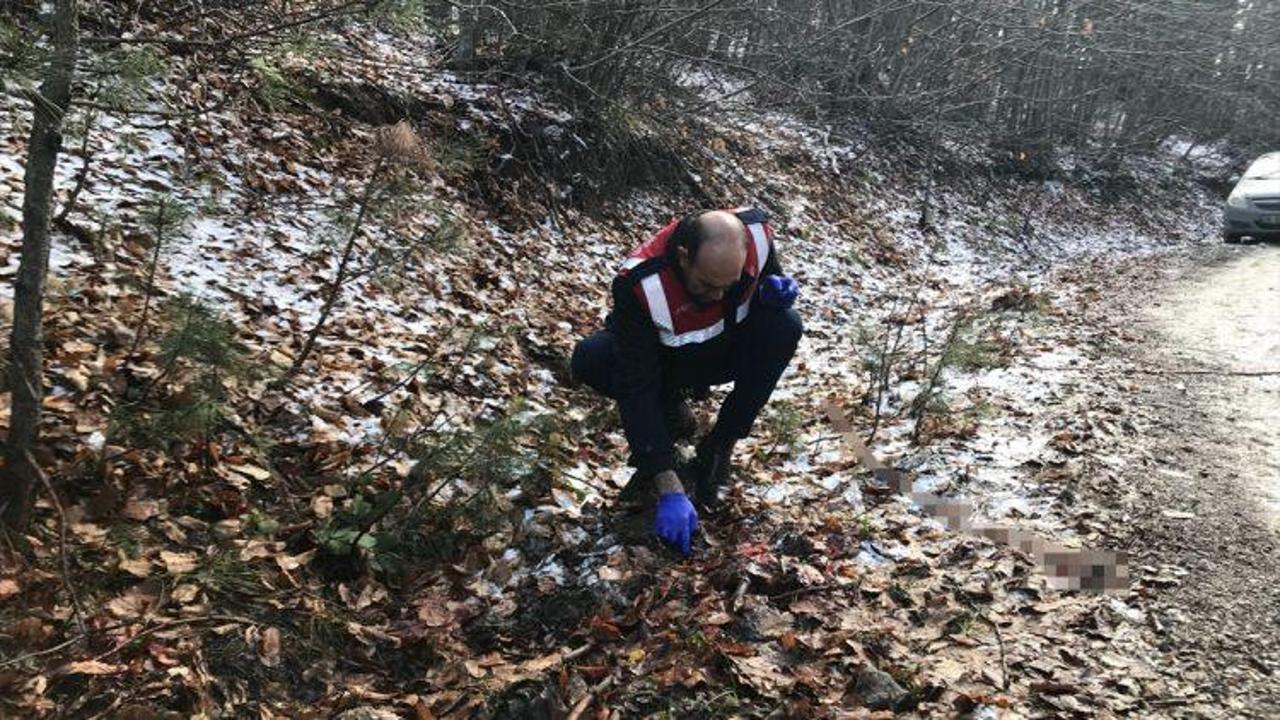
970	250
264	256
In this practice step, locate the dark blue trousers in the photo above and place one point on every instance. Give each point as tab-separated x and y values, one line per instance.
752	355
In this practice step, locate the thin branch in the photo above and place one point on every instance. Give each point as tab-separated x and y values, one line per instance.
585	702
803	591
650	35
1219	373
1004	665
578	652
173	623
337	11
42	653
62	540
340	275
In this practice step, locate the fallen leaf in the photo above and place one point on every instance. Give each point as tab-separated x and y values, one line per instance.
604	629
185	593
141	567
78	378
433	614
162	654
542	663
293	562
30	631
140	509
132	605
788	640
322	506
252	471
269	647
8	587
761	673
178	563
89	533
89	667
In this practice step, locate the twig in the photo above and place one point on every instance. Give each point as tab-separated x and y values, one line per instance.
736	601
585	702
170	624
1222	373
82	176
335	287
802	591
920	405
62	540
59	646
579	652
402	382
165	114
40	653
339	10
160	225
1170	702
651	34
1004	666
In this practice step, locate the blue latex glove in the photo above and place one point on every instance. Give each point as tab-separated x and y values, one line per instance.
778	291
676	521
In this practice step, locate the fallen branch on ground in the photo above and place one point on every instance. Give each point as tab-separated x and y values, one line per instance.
1004	665
41	653
173	623
1221	373
62	541
585	702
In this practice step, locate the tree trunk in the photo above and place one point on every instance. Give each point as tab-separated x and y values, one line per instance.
464	56
26	360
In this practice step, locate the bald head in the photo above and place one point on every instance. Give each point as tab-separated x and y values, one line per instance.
718	256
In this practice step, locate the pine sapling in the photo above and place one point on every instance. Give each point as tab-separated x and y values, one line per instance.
163	215
397	144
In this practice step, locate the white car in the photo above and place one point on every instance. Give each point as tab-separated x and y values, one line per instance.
1253	209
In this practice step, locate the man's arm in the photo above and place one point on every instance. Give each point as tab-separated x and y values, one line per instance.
640	385
772	265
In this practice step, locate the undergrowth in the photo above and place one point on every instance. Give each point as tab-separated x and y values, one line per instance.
199	358
455	497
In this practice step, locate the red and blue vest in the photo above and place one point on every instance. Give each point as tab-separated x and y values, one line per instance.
679	318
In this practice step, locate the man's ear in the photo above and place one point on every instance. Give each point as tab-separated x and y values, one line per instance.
682	257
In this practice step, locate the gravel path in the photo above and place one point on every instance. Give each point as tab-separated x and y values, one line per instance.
1206	481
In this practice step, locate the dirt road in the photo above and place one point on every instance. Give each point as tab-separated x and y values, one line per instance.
1230	320
1205	490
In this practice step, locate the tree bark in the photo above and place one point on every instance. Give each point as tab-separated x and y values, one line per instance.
26	361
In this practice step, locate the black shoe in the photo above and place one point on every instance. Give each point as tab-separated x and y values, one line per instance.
637	490
710	470
641	490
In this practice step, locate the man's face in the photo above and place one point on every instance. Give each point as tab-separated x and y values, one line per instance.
710	275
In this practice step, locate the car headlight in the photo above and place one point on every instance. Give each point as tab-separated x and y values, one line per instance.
1238	201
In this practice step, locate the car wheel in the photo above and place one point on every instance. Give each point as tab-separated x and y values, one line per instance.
1231	238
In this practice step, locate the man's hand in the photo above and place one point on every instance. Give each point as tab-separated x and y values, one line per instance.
675	520
778	291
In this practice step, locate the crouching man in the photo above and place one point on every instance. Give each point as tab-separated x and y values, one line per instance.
704	302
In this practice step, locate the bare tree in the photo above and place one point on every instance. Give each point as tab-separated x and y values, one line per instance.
1031	75
50	105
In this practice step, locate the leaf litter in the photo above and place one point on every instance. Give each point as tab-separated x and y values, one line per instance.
812	595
